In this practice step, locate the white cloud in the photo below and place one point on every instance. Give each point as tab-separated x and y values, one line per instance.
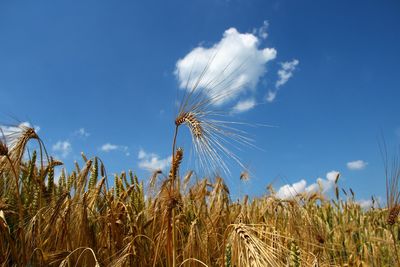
356	165
289	191
271	96
82	132
63	147
367	203
286	72
332	175
151	161
108	147
324	185
236	64
244	105
262	31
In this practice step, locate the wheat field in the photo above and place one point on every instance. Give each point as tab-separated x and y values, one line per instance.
176	220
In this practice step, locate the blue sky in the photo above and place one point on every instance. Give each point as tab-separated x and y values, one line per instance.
100	77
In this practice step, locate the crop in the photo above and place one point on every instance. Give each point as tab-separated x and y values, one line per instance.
174	220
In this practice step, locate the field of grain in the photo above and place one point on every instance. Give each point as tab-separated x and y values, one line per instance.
175	220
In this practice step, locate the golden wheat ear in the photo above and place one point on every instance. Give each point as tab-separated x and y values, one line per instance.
191	121
250	250
392	215
213	140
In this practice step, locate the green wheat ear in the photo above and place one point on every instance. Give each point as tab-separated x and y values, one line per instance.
72	181
36	195
50	180
136	179
140	197
61	183
60	186
131	177
94	174
32	164
228	256
69	182
295	260
116	186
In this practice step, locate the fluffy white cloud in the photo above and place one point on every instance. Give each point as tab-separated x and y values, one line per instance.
82	132
228	68
151	161
332	176
244	105
62	147
356	165
289	191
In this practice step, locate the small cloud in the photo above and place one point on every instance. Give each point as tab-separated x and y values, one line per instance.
368	203
228	68
286	72
262	31
151	161
125	150
271	96
365	204
356	165
108	147
62	147
289	191
244	105
82	132
142	154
